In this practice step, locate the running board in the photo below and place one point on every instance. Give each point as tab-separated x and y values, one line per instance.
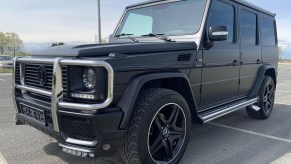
224	110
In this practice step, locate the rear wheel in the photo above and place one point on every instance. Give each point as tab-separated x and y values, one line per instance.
159	129
266	100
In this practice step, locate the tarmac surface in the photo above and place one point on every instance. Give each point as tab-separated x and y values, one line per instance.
235	138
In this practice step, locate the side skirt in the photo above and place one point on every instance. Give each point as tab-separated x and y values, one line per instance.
211	114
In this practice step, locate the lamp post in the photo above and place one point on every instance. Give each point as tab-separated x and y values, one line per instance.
99	22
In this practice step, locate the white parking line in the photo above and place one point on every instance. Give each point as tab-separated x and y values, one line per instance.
252	132
285	84
284	159
2	159
283	91
2	80
278	103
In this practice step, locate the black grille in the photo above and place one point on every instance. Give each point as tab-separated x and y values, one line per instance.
31	77
17	74
65	82
184	57
78	128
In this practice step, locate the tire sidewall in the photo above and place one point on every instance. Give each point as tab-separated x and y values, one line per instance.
147	120
267	80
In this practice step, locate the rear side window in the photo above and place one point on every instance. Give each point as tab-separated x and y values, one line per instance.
268	32
248	26
222	14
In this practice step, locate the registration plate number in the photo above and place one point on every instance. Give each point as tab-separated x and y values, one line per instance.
33	113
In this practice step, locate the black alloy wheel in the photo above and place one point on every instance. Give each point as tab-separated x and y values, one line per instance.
159	129
167	133
269	97
266	100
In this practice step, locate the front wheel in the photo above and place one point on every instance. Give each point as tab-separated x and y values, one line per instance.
159	128
266	100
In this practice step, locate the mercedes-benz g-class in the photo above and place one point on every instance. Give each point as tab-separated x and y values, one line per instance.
169	63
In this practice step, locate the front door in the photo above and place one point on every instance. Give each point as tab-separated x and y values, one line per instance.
220	72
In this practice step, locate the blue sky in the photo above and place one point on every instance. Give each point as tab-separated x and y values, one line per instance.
75	20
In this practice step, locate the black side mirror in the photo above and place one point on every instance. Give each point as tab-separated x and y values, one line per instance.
218	33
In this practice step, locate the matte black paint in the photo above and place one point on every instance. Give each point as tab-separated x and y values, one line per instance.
216	76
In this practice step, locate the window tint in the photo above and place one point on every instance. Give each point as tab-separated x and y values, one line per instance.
268	32
222	14
248	26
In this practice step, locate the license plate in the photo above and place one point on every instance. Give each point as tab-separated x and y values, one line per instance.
33	113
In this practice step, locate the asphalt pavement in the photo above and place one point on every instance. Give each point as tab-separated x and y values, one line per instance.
235	138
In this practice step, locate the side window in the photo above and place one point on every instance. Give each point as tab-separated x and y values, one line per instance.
248	27
268	32
138	29
222	14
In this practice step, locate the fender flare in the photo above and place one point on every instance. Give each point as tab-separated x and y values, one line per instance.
133	88
260	78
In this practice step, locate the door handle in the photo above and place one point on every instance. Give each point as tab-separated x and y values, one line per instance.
234	63
258	61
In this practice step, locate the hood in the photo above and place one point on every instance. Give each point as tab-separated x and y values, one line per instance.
105	49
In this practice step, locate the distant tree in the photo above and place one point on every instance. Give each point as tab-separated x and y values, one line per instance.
3	42
104	41
14	43
54	44
57	44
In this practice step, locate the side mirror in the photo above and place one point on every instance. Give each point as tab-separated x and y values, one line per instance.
218	33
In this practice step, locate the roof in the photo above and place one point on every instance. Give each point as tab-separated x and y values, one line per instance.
243	2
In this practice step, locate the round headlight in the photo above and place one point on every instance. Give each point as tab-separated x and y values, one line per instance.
89	78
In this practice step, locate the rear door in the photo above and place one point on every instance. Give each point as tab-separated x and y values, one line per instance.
250	49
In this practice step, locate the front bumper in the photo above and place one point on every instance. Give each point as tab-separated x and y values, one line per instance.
88	127
105	130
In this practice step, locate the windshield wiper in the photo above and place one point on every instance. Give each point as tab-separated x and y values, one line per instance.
159	36
128	36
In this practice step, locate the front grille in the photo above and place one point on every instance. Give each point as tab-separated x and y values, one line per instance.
65	81
31	76
17	74
78	128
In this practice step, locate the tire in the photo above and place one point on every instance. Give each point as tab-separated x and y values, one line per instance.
266	100
145	141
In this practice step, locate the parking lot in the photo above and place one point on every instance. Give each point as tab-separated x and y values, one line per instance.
232	139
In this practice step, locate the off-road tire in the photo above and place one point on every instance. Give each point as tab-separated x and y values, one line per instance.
135	148
263	113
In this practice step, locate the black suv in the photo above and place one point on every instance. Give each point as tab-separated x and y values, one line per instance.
169	63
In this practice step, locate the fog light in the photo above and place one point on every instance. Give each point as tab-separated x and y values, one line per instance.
91	155
84	154
82	96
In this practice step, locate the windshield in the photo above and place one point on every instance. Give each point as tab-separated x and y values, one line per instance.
176	18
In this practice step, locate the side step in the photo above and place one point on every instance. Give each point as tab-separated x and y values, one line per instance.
215	113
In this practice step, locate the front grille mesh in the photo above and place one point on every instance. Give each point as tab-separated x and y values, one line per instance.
31	77
78	128
17	74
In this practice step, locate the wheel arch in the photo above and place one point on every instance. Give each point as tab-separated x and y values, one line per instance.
168	80
268	70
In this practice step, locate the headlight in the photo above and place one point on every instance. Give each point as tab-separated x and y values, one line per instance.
89	78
